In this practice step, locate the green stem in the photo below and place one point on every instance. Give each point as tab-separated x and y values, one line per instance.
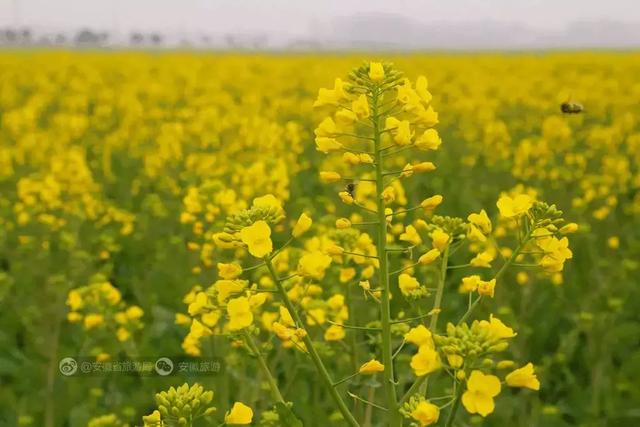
315	357
413	389
499	275
273	384
439	292
437	303
352	334
456	404
394	419
366	402
404	211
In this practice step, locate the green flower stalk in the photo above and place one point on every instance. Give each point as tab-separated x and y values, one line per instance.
377	114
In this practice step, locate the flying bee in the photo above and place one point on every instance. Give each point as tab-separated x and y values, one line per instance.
570	107
351	189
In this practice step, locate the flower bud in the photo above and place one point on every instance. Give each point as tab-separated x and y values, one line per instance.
497	348
343	223
366	159
424	167
346	197
505	364
407	171
389	194
376	71
303	224
351	158
455	360
330	176
429	257
487	363
431	203
572	227
334	250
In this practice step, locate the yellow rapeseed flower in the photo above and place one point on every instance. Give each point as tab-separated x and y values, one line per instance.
229	271
93	320
334	333
497	329
440	239
313	265
426	413
514	207
487	288
425	361
371	367
257	237
240	414
411	235
303	224
481	389
407	284
376	71
419	336
431	203
428	257
481	220
523	377
239	312
429	140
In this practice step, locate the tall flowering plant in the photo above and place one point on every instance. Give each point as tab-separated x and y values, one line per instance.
385	250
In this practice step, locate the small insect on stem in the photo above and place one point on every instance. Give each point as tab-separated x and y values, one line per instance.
350	188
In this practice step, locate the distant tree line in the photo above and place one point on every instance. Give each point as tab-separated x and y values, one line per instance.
90	38
12	36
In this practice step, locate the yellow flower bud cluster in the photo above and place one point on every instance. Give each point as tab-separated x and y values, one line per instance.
180	406
464	343
226	307
99	308
266	208
420	411
108	420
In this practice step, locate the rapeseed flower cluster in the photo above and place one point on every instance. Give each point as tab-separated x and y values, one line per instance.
99	308
129	180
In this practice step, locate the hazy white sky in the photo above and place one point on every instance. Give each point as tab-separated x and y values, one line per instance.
299	17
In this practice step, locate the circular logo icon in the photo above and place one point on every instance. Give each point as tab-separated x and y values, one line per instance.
164	366
68	366
86	367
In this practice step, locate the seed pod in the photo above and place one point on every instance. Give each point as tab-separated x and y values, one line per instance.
179	403
487	363
505	364
451	329
449	349
162	400
186	410
502	346
206	397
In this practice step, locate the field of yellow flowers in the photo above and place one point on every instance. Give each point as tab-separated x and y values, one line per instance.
386	240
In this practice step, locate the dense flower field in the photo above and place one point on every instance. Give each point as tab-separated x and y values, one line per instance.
424	240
